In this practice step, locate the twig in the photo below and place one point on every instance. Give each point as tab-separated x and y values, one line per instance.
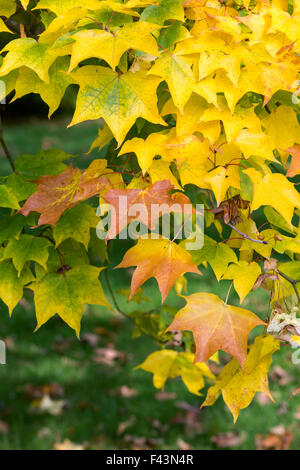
292	281
244	235
118	309
4	147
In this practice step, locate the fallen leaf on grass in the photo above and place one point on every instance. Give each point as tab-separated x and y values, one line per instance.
162	396
108	355
228	439
125	425
278	374
91	339
279	438
297	414
295	392
68	445
4	428
125	391
36	391
47	405
182	445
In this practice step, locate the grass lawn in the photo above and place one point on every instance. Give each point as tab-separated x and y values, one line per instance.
96	414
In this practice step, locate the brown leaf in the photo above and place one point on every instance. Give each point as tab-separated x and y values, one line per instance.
228	439
91	339
162	396
279	438
278	374
4	427
125	391
182	445
108	355
68	445
125	425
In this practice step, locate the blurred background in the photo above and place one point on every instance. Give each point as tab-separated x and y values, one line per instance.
61	393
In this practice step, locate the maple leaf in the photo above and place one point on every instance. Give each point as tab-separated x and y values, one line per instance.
274	190
55	194
61	7
166	10
218	255
294	168
238	386
11	285
111	46
66	294
30	53
26	248
166	364
161	259
76	224
119	99
146	200
7	8
4	28
51	93
215	326
177	72
104	137
45	162
145	150
244	276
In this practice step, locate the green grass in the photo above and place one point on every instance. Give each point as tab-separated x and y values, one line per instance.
94	411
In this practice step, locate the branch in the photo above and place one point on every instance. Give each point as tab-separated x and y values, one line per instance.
4	147
244	235
292	281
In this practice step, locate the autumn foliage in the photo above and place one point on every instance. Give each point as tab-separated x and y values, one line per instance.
199	105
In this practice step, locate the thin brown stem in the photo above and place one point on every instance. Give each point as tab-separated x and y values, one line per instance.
244	235
115	302
291	281
5	148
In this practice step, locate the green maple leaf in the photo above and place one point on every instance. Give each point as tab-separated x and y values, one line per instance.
66	294
76	223
25	249
45	162
218	255
166	10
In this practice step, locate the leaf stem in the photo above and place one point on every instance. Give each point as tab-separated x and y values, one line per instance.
244	235
291	281
227	296
116	305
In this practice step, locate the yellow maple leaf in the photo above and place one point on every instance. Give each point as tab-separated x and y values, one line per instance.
239	386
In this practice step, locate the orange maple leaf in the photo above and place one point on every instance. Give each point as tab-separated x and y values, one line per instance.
162	259
215	326
294	168
156	196
57	193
